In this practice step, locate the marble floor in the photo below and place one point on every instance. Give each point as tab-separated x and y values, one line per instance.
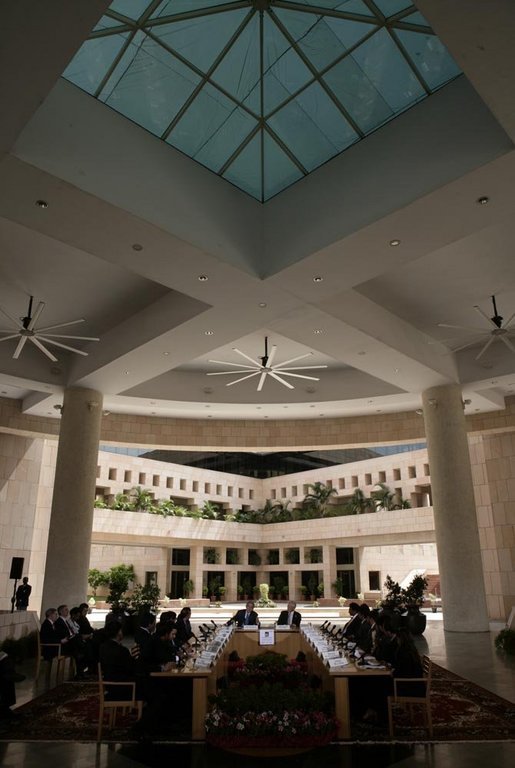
470	655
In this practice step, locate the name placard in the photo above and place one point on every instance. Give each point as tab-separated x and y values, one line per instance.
266	637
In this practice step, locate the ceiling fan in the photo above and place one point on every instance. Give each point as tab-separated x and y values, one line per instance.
266	368
499	331
28	332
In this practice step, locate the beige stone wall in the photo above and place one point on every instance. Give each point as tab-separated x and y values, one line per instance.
493	471
143	559
397	561
20	466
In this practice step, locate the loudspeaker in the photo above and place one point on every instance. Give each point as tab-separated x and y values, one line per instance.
17	567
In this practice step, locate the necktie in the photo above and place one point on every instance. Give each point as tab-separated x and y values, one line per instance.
290	618
246	618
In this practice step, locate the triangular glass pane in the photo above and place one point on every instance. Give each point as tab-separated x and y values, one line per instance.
149	85
312	127
429	56
285	72
349	6
417	18
106	22
245	170
93	59
279	170
322	39
386	68
133	9
239	71
358	95
173	7
201	39
390	7
212	128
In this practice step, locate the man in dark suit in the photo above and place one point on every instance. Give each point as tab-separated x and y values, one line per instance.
351	629
48	634
70	639
245	617
290	616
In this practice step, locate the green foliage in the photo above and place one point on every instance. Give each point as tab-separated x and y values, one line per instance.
318	496
254	557
187	588
273	557
315	555
144	598
413	594
211	556
232	556
209	511
97	579
292	556
141	499
122	502
312	584
505	641
100	504
385	499
118	578
394	597
359	504
214	586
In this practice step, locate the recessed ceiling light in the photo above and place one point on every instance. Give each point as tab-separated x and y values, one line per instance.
208	390
494	382
152	413
321	414
207	406
137	247
126	373
369	401
483	200
378	410
152	402
476	409
209	333
41	204
362	352
166	353
265	417
396	370
259	407
203	278
310	390
285	406
262	304
317	279
311	406
318	331
394	243
209	416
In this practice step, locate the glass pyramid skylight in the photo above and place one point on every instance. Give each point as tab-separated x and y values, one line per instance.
261	92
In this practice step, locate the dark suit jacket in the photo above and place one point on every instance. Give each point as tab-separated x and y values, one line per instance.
48	634
351	629
184	632
239	618
283	618
116	662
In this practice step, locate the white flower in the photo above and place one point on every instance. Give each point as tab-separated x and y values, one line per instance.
240	727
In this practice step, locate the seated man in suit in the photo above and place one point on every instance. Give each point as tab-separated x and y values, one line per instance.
49	635
71	642
245	617
351	628
290	616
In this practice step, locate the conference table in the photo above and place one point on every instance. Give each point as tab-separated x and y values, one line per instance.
251	642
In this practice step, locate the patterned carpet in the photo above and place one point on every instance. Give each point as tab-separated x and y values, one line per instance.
461	710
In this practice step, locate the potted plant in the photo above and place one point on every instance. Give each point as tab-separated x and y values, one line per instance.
393	601
320	589
312	586
303	591
239	590
221	591
247	589
205	591
187	588
337	585
413	596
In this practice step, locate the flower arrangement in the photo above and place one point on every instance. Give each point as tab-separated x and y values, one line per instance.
270	702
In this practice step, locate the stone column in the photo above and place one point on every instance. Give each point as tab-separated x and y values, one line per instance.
231	581
329	568
197	569
457	536
71	520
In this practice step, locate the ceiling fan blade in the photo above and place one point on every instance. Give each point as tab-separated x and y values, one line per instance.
488	343
231	373
237	381
508	343
6	338
261	381
60	325
464	346
300	376
271	356
293	359
45	351
235	349
35	316
299	368
462	327
281	380
483	314
63	346
236	365
19	347
65	336
508	321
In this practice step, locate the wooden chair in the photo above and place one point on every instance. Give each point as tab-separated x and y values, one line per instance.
410	703
59	658
112	707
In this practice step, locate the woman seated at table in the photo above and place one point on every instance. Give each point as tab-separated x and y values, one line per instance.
184	630
163	652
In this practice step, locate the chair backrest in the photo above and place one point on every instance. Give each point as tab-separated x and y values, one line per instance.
427	667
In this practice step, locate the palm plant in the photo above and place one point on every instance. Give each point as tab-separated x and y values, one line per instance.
209	511
319	496
122	502
141	498
359	503
384	498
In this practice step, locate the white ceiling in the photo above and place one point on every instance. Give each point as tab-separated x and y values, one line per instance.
110	186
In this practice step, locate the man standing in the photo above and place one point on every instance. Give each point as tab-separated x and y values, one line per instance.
290	616
23	594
